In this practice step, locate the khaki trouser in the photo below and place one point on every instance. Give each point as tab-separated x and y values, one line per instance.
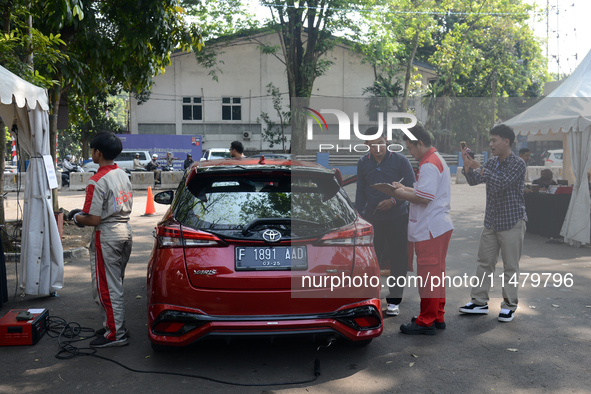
510	243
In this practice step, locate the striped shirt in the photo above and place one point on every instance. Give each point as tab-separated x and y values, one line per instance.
505	204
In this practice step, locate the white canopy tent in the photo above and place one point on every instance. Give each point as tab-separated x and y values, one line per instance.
568	110
41	268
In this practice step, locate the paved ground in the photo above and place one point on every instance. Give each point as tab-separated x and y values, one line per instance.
545	349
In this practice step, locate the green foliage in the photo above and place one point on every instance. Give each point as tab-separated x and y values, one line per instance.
16	44
274	133
219	21
485	49
384	96
306	31
391	43
91	48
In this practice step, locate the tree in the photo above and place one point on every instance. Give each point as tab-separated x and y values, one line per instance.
484	49
306	30
104	47
18	40
274	133
393	38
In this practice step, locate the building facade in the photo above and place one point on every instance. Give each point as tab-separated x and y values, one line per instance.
186	100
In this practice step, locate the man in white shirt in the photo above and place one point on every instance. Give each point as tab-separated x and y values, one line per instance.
137	164
429	229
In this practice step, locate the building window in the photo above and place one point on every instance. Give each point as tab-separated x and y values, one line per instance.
231	108
192	108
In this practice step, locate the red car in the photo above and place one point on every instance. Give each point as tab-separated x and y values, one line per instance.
261	247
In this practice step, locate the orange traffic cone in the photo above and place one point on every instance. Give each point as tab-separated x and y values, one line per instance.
150	210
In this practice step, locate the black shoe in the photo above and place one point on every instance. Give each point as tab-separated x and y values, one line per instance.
101	342
473	308
438	325
101	332
414	329
506	315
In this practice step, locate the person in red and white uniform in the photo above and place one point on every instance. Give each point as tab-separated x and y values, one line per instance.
107	207
429	229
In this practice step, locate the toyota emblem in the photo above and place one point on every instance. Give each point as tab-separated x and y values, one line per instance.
271	235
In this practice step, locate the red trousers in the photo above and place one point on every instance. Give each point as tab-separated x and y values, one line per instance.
431	269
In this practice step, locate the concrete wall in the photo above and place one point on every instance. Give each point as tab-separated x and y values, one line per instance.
14	182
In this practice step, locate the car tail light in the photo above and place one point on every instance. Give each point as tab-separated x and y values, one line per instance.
352	235
549	161
367	321
174	323
177	236
361	318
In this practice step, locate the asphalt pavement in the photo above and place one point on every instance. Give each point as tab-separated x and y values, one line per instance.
544	349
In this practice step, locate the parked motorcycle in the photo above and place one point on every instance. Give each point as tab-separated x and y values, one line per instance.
66	175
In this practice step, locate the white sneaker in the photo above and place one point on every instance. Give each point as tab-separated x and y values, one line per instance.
393	310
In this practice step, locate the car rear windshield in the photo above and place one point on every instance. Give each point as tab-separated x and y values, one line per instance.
226	205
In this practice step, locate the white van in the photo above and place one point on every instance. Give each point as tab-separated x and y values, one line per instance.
124	160
216	153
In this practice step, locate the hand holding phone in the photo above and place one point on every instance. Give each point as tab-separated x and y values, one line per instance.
463	146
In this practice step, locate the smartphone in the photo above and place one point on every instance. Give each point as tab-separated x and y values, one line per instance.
468	151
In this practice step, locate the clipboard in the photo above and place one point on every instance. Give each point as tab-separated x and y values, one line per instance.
385	188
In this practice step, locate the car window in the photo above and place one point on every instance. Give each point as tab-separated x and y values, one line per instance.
227	206
220	155
123	156
558	156
143	156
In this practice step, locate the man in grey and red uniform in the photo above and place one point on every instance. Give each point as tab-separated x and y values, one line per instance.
107	207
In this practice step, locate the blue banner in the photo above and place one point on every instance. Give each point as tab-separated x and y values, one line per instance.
178	145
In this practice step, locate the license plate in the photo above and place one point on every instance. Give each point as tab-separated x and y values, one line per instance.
270	258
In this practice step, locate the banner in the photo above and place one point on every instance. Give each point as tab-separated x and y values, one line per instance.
178	145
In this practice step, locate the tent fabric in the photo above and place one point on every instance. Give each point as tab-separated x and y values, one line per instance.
568	110
41	266
577	231
22	91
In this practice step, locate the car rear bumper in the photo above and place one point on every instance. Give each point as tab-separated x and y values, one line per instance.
179	326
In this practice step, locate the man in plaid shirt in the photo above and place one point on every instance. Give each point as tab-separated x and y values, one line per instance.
504	220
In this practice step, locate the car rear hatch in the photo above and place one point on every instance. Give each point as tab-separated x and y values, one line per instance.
258	229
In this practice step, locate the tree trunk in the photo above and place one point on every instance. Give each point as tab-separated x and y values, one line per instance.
54	97
411	58
6	11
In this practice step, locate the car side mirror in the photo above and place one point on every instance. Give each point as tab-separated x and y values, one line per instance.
164	197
